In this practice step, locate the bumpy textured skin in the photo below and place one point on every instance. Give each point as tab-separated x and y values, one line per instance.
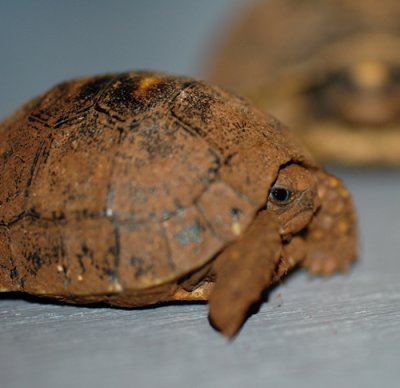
281	53
332	232
124	188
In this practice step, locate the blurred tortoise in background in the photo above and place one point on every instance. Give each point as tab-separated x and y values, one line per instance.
329	69
139	188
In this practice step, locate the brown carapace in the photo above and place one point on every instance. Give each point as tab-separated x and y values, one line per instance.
141	188
328	69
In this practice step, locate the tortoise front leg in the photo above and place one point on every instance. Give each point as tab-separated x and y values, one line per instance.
331	239
243	271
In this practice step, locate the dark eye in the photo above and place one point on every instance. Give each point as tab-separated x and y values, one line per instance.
280	195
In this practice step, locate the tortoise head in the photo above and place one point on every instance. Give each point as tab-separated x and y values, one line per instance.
316	206
293	199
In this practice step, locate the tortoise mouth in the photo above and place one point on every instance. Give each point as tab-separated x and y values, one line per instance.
298	223
299	220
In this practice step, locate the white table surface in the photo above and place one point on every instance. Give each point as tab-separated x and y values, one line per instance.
340	331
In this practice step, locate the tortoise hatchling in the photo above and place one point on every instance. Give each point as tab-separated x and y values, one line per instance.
329	69
139	188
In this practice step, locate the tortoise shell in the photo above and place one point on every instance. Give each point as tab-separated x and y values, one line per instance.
329	69
98	165
124	188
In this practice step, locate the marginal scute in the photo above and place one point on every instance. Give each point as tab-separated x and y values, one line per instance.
36	250
7	268
91	257
145	258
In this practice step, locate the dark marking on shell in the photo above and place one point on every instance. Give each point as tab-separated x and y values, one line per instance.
92	88
142	267
115	252
127	96
235	212
190	234
34	165
34	261
14	273
67	119
15	220
85	253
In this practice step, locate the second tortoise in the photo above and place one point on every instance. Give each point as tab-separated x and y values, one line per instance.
329	69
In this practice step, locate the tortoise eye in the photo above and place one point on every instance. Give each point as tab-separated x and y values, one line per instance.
280	195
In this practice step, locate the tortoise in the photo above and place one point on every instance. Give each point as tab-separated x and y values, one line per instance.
140	188
328	69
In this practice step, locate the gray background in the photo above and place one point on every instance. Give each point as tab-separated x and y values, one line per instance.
43	42
340	331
